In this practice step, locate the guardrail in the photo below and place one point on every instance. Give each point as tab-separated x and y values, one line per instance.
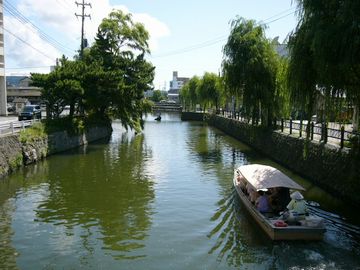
320	130
15	126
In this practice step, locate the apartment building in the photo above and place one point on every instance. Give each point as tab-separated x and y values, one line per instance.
3	108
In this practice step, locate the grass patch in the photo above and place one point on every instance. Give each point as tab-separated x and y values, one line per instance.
36	131
74	126
16	162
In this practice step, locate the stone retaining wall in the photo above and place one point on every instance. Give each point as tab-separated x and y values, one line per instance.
334	169
192	116
14	153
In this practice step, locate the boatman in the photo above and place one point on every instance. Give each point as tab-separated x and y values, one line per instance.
297	207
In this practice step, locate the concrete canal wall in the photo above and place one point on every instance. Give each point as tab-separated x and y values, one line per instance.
192	116
14	153
334	169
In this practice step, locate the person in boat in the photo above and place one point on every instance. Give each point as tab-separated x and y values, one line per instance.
279	199
262	202
297	208
253	195
242	182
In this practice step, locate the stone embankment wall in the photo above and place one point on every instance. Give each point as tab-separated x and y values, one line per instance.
334	169
14	153
192	116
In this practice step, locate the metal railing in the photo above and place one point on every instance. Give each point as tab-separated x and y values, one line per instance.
12	127
319	130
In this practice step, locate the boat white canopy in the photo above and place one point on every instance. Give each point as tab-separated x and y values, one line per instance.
265	177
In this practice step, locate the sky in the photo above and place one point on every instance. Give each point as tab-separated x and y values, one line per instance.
185	36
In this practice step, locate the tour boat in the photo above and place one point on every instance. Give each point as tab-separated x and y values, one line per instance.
262	177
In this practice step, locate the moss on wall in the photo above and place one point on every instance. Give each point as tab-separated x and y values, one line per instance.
34	145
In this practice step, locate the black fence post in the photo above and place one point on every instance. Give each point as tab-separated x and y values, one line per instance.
290	126
282	124
342	136
312	131
301	126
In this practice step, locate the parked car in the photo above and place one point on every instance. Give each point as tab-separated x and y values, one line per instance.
10	107
30	112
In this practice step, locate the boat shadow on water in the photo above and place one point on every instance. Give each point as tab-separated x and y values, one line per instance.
240	242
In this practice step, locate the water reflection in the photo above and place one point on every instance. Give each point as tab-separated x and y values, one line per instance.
241	243
238	240
7	253
95	207
102	192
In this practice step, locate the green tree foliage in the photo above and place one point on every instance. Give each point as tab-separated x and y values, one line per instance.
325	51
109	79
282	106
157	96
189	93
120	46
61	87
209	90
249	68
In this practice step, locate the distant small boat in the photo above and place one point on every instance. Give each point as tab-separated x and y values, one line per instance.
158	118
262	177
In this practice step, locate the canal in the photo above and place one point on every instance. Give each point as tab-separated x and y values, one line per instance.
162	199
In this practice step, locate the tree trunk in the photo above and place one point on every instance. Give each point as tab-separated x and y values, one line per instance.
72	109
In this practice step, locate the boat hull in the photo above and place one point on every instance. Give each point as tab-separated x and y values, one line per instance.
279	233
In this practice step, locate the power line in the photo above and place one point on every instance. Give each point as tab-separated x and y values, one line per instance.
21	18
291	13
280	13
221	38
66	5
28	44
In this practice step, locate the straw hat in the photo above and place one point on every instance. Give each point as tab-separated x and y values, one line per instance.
297	196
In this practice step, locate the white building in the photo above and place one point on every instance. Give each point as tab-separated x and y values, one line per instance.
3	108
175	86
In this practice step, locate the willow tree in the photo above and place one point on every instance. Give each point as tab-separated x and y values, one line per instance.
188	93
326	43
210	90
249	69
302	73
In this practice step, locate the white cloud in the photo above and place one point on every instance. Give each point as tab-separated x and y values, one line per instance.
35	52
156	29
57	19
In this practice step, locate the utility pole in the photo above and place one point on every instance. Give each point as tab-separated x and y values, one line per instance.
83	16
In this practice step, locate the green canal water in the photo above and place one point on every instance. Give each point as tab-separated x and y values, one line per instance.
162	199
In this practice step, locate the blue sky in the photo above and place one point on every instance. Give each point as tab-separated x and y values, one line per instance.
186	36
